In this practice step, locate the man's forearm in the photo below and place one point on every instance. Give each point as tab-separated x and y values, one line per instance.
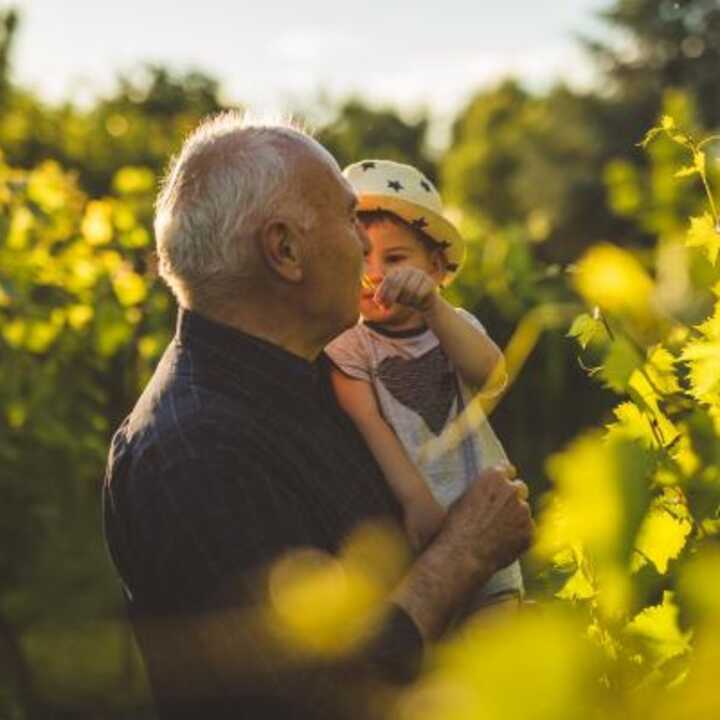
488	528
437	583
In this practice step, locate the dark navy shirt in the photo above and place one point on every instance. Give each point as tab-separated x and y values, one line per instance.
235	453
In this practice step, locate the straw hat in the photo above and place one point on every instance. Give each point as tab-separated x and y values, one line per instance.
405	191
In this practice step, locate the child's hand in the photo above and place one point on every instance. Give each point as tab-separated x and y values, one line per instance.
407	286
423	520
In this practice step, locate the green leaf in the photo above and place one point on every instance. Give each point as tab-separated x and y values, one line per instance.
585	328
662	537
704	235
620	363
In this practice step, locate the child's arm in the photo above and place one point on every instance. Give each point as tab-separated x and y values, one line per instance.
473	353
475	356
423	514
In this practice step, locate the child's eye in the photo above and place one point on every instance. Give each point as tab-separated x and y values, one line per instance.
395	258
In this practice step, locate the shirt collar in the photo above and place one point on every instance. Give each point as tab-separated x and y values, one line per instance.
235	351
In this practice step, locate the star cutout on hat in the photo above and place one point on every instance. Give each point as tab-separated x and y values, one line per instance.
395	185
425	185
369	165
420	223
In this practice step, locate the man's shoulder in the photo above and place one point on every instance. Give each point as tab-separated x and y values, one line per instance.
181	416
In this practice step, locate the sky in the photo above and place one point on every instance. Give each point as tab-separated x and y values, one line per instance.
278	57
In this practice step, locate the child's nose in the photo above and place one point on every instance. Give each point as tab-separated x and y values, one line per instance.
373	269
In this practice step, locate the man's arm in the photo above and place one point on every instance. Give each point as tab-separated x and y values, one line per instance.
488	528
423	514
219	646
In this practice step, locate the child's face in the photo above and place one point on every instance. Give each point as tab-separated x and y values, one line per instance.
394	246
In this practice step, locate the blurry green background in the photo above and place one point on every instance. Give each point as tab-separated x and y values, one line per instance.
535	176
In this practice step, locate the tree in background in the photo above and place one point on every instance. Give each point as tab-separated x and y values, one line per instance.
661	44
358	131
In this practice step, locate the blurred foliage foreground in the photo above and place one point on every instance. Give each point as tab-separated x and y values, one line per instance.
627	539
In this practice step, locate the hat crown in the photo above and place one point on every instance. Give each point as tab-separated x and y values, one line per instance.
385	177
403	190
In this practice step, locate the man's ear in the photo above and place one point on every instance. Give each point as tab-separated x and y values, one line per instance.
281	249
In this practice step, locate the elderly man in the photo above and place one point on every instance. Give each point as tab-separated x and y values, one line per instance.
236	452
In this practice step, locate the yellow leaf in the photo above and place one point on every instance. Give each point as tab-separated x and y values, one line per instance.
660	368
711	327
611	278
686	171
131	180
97	223
79	316
662	537
658	627
646	396
20	226
703	359
632	425
704	235
591	502
578	587
129	287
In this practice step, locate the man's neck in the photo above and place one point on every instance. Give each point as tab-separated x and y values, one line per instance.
274	327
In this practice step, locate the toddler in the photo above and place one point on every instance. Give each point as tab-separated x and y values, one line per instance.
414	362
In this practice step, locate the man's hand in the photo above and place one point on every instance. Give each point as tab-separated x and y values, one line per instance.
407	286
485	530
492	520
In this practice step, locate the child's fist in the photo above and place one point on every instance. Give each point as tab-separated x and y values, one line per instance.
407	286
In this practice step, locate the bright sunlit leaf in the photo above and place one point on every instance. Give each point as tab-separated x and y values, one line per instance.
662	537
703	234
129	287
657	626
97	224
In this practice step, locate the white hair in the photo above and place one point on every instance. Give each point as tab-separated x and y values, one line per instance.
231	174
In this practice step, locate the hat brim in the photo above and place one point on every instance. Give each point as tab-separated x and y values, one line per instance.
442	231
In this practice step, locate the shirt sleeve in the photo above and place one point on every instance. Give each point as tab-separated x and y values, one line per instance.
349	354
463	313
